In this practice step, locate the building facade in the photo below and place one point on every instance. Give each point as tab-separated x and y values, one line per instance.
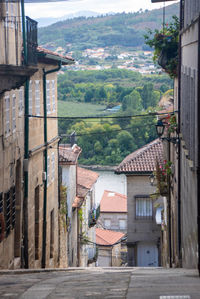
143	233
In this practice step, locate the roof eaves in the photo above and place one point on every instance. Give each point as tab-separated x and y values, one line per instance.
56	58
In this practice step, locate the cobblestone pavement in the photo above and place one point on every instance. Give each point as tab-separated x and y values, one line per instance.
116	283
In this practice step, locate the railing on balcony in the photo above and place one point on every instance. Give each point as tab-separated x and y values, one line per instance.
10	40
31	38
93	216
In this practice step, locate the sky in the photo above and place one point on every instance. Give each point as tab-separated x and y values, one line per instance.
59	9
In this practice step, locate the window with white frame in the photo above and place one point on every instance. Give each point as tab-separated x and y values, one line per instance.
21	100
30	97
14	112
53	166
37	97
7	115
53	92
122	224
107	223
144	207
48	170
48	96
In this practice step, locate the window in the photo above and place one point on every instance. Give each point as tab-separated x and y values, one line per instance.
52	166
30	98
144	208
53	91
48	96
7	115
107	223
21	100
13	112
37	97
122	224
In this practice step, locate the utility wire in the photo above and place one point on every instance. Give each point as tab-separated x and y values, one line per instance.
150	114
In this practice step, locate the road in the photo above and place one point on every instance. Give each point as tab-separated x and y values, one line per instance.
116	283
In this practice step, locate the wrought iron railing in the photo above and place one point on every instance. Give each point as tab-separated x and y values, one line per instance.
31	39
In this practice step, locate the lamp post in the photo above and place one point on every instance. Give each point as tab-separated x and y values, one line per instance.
160	128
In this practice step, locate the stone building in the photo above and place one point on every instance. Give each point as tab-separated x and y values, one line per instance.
184	197
68	163
109	247
88	213
42	206
143	233
14	71
113	211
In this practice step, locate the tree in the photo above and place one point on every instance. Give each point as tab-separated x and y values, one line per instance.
132	101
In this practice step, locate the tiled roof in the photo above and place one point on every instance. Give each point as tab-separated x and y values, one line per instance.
142	160
77	202
68	154
46	51
85	180
107	237
113	202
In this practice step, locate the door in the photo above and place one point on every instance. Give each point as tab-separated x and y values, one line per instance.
147	255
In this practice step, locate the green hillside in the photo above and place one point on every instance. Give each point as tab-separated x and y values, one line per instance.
122	29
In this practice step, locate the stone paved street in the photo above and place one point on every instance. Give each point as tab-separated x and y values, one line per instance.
97	283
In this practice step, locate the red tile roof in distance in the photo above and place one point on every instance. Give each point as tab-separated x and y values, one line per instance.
143	160
85	180
107	237
68	154
113	202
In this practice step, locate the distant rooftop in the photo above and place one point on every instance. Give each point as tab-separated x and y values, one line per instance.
68	154
85	180
143	160
113	202
107	237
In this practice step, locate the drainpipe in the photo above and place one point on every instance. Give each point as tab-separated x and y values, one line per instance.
198	146
25	260
169	214
45	73
179	144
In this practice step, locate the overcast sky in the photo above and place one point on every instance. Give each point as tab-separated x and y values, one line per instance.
58	9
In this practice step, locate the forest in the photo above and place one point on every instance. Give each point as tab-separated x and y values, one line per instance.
106	141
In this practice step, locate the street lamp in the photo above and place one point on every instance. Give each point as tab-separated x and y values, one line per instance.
160	128
152	179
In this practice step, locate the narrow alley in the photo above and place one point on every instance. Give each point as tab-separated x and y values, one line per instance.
73	283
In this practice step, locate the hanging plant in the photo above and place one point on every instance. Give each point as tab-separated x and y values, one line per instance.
165	44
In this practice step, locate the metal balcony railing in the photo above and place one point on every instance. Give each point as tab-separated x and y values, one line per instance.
31	39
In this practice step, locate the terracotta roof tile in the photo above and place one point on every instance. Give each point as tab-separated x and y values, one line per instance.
143	160
86	178
68	154
46	51
107	237
113	202
77	202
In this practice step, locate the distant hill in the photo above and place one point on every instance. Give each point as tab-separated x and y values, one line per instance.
122	30
42	22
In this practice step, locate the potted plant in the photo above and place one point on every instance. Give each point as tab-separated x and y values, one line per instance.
165	44
162	174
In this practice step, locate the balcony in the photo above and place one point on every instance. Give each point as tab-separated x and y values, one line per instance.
93	216
13	68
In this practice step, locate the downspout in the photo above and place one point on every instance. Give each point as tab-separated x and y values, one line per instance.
179	144
45	73
25	260
169	214
198	168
